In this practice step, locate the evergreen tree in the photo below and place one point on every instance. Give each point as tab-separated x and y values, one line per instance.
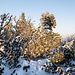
44	39
24	29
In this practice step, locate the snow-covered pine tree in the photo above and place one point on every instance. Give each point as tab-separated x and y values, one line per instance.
12	49
3	19
24	29
44	39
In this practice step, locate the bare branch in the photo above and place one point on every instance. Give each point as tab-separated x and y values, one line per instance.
8	22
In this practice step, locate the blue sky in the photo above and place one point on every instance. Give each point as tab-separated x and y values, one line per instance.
63	10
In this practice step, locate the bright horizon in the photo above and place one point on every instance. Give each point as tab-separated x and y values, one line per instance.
64	12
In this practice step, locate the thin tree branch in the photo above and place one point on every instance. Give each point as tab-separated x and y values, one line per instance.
8	22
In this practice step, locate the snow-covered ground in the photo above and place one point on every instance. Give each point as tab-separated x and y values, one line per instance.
35	68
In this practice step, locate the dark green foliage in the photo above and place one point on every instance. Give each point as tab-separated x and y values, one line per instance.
1	63
12	50
48	20
1	71
26	68
50	67
3	19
